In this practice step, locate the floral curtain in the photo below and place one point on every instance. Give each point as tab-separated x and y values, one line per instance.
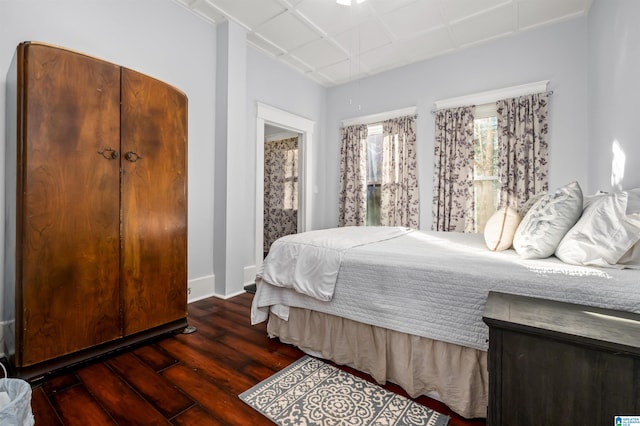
453	200
353	176
280	190
523	151
399	204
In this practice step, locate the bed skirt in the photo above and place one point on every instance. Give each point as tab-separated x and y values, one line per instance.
454	374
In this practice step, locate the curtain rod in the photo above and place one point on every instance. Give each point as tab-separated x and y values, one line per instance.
493	95
433	111
376	118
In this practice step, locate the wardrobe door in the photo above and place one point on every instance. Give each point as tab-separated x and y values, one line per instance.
67	198
154	202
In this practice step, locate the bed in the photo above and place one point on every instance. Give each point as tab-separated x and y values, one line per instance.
406	306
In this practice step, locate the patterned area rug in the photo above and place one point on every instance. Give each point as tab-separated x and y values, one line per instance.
311	392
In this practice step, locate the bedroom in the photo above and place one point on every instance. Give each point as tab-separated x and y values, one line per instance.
591	62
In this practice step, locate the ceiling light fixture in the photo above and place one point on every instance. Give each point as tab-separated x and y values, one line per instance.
348	2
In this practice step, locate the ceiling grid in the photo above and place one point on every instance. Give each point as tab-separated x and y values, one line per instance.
332	44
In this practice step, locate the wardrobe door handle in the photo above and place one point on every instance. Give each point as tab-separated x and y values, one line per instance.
109	153
132	157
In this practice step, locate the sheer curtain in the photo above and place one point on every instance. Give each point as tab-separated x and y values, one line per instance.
280	190
522	144
399	204
353	176
453	200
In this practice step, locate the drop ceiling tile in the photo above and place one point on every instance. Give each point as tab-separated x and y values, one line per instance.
342	71
414	18
297	64
428	45
320	53
331	17
287	31
187	3
322	79
369	35
249	15
455	10
484	26
264	45
383	57
532	14
208	12
386	6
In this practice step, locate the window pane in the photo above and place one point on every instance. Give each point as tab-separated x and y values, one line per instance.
485	169
485	147
374	174
373	205
486	198
374	158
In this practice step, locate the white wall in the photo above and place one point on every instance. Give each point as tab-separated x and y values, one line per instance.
614	90
158	38
274	84
557	53
230	196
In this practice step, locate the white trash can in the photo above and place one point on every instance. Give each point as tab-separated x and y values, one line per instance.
15	401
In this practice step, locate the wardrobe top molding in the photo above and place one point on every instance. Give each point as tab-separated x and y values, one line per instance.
41	43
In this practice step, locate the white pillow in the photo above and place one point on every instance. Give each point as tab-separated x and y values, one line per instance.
604	233
631	258
633	201
530	203
500	228
588	199
547	221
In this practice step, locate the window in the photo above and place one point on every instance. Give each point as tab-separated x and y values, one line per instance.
290	201
374	173
486	187
364	185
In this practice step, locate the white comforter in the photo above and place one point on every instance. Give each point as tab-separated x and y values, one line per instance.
309	262
434	284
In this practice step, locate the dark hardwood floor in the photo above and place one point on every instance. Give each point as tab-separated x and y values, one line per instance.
186	379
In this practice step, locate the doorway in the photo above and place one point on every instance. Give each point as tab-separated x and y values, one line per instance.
281	178
268	118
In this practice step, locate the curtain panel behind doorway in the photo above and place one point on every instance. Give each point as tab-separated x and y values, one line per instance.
280	190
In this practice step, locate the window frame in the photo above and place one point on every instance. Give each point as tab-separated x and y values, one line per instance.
373	129
484	111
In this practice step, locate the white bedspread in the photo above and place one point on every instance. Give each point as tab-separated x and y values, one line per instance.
434	284
309	262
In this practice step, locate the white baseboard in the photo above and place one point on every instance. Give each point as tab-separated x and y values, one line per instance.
204	287
250	274
228	296
201	288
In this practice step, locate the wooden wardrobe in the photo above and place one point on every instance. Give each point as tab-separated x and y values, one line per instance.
96	209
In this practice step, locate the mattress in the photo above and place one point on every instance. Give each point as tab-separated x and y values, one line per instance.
434	285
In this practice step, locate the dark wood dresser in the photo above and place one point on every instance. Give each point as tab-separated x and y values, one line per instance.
553	363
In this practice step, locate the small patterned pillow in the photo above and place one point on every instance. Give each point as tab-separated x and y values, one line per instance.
500	228
548	221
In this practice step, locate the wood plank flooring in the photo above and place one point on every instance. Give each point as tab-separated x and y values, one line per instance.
186	379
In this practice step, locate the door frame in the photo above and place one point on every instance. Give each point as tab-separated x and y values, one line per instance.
267	114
